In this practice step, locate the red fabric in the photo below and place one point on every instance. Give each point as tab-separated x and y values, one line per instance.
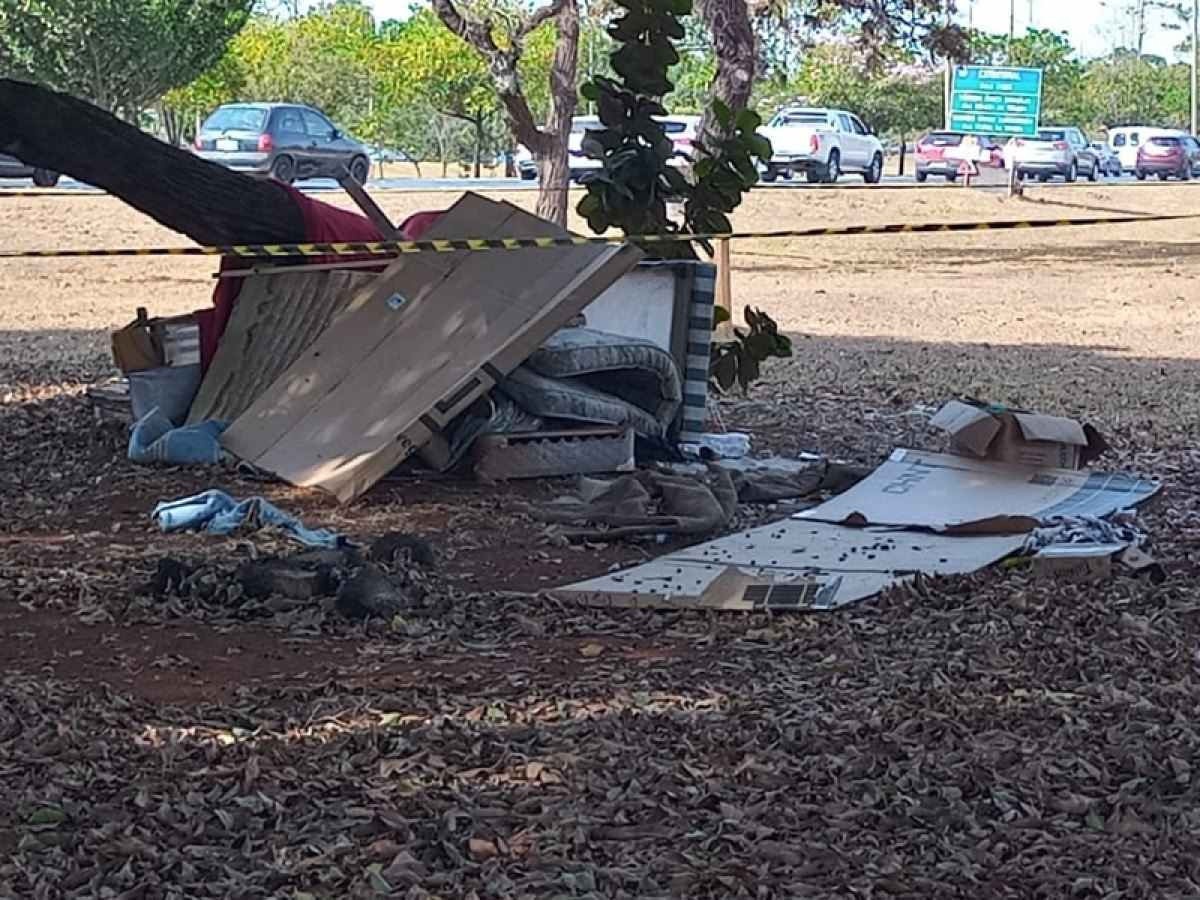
323	224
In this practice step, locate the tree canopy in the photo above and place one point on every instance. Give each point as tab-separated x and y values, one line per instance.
121	55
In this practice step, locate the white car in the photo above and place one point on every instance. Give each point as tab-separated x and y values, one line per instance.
1126	140
1061	151
822	143
680	129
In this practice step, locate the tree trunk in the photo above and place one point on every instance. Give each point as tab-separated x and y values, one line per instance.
728	23
903	147
554	164
548	145
209	203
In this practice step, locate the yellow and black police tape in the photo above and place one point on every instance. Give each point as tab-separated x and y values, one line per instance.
385	249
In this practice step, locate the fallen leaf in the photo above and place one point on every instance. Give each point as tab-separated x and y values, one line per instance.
481	850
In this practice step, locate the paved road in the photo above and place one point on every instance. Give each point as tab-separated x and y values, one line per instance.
320	185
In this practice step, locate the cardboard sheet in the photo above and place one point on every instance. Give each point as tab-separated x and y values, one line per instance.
277	317
949	493
791	565
416	346
913	502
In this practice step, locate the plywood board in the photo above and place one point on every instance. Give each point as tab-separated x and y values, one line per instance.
425	340
276	318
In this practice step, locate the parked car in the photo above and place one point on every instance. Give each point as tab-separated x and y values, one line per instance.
11	167
1061	151
680	129
1127	139
942	152
284	140
822	143
1168	156
1109	161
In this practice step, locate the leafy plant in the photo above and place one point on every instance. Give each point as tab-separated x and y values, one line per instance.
740	360
637	179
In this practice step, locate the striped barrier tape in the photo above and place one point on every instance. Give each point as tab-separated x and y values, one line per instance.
393	248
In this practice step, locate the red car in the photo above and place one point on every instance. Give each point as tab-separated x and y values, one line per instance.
942	152
1168	155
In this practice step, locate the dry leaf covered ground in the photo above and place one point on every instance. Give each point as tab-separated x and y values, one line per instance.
984	736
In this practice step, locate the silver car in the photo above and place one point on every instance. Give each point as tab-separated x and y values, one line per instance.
11	167
1054	151
284	140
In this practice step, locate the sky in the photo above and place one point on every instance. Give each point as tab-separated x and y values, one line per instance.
1094	27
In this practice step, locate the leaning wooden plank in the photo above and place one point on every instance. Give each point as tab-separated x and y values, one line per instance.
369	316
417	350
464	338
275	320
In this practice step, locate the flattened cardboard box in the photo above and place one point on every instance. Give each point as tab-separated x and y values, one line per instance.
927	513
1020	437
418	345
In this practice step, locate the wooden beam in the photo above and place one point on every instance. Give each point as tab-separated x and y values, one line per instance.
724	292
369	207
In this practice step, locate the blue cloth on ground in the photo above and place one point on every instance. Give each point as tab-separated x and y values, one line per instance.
155	439
215	512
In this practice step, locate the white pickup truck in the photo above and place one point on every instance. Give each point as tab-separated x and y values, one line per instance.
821	143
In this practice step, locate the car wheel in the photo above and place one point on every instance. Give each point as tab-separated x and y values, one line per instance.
45	178
1072	172
1043	178
951	178
874	173
813	176
283	169
770	175
1185	174
1094	171
528	174
1163	176
833	168
360	169
1141	176
921	176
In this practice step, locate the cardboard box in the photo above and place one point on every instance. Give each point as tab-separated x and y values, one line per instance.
135	347
1017	436
147	343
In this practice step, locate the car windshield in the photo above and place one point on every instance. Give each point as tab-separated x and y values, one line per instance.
236	118
1051	134
1164	141
943	139
674	127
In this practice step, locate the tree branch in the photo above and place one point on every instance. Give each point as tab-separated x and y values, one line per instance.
537	17
503	64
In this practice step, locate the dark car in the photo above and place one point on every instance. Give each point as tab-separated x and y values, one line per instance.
1168	156
11	167
284	140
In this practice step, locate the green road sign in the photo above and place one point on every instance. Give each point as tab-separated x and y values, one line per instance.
996	100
